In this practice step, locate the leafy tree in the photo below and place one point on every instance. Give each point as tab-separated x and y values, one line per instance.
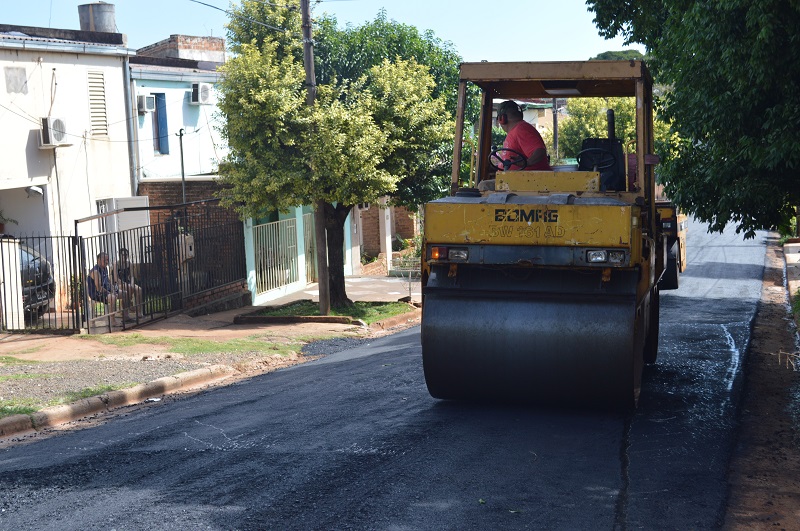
355	145
731	68
622	55
343	55
587	118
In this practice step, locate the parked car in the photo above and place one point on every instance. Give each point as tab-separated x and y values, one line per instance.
38	285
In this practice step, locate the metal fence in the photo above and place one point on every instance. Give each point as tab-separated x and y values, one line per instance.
48	282
275	247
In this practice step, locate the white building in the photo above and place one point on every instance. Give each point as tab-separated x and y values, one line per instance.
65	126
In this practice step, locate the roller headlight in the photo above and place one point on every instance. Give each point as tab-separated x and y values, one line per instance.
596	257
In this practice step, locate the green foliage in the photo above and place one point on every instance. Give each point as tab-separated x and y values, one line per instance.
18	407
342	55
587	118
622	55
193	346
369	312
733	104
380	125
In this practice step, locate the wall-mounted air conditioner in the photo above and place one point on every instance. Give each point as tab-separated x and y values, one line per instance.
201	94
53	133
146	103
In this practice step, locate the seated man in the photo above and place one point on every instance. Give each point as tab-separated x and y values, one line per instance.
99	287
122	274
521	137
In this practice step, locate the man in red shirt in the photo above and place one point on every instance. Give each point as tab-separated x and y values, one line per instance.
522	137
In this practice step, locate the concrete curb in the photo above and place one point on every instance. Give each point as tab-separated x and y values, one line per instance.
53	416
391	322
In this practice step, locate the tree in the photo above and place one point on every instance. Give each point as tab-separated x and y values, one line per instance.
622	55
343	55
355	145
587	118
733	104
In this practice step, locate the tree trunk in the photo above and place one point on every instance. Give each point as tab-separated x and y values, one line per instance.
335	217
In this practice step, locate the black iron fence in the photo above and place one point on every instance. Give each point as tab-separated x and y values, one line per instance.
118	279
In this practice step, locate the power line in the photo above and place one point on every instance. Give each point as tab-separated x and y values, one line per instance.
229	13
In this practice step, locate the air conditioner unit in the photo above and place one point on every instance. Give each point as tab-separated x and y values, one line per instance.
146	103
201	94
53	133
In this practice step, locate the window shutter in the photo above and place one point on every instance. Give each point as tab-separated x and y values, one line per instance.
161	117
97	104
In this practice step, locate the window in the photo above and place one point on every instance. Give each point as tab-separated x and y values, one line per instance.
97	104
160	133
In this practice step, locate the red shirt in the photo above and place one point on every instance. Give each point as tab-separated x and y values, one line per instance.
525	139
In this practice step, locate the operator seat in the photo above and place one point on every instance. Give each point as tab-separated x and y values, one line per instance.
612	178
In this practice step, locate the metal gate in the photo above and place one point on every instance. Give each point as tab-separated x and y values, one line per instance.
46	283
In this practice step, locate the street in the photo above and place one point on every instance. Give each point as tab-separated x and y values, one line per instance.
354	440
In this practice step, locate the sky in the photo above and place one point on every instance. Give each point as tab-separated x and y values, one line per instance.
491	30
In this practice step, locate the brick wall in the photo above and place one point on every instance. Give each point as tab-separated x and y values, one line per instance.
187	47
405	223
228	297
171	193
370	228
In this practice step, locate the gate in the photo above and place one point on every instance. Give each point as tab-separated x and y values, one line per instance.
275	248
191	249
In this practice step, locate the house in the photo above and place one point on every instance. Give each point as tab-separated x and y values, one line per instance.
64	140
176	130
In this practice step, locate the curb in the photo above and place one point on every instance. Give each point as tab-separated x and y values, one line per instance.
53	416
391	322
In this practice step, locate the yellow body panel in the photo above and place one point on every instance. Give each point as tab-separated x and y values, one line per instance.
533	224
548	181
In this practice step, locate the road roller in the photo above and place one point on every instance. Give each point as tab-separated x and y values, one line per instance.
543	286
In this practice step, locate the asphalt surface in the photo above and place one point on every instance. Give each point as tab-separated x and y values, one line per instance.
354	441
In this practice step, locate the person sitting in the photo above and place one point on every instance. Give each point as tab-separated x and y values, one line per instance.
522	138
99	287
122	274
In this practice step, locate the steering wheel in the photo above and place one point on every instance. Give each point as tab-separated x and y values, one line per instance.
598	158
499	163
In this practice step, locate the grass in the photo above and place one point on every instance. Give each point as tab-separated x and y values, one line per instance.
369	312
11	360
18	407
26	406
23	377
796	303
89	392
189	346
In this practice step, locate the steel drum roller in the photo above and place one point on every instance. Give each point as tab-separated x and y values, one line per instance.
530	347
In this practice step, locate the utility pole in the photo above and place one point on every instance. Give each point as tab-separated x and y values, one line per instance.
319	214
179	134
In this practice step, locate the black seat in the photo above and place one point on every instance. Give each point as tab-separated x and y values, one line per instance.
612	172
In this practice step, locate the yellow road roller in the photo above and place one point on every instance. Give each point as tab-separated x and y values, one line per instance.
543	286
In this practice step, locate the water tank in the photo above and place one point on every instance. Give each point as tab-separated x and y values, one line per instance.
97	17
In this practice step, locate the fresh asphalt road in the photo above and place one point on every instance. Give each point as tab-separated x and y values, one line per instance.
354	441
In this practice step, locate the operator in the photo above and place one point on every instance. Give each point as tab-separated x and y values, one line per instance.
522	137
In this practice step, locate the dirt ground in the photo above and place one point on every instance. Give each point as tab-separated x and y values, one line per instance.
764	474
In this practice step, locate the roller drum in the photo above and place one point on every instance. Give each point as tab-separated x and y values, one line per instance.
531	347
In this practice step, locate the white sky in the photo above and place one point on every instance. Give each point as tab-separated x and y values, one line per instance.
540	31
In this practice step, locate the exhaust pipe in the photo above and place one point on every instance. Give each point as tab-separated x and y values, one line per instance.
611	128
